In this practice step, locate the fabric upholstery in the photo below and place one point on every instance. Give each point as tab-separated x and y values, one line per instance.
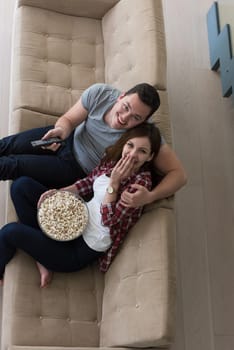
134	46
61	348
79	8
59	49
161	117
67	313
140	286
61	56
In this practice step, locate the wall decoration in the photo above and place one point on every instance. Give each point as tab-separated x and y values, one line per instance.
220	46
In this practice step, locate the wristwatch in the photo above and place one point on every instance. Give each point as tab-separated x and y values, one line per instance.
110	190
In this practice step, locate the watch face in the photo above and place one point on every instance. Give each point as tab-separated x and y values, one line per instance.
110	189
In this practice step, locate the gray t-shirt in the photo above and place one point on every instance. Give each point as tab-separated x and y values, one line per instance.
93	135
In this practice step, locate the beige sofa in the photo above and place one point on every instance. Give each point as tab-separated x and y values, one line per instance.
59	49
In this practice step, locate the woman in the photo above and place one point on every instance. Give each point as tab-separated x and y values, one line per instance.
124	165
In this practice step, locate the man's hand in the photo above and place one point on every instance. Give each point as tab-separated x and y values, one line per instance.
56	132
141	197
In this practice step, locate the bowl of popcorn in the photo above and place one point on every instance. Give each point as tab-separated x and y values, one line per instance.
62	215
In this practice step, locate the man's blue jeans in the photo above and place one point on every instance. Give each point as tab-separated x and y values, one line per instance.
53	169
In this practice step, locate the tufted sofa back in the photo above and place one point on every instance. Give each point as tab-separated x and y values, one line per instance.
58	54
134	44
61	56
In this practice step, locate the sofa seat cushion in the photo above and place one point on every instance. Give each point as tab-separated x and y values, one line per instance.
139	295
66	313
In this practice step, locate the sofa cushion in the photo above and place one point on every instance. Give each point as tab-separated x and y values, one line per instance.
56	57
139	294
162	118
134	44
66	313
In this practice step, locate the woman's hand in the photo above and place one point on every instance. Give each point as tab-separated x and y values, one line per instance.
44	195
71	189
121	170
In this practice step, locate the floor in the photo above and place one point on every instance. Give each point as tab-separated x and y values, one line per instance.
203	128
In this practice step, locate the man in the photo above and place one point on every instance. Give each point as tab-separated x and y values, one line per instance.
96	121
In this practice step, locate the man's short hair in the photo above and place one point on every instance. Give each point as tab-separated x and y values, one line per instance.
147	94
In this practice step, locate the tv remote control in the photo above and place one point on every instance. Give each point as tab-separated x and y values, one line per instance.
40	143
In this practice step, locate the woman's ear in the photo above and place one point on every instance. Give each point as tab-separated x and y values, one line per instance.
151	157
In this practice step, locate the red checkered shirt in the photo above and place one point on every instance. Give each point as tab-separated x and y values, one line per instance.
115	215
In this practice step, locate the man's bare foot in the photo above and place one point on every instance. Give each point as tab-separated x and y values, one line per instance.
46	275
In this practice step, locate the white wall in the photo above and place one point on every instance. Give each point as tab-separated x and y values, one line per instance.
6	18
203	127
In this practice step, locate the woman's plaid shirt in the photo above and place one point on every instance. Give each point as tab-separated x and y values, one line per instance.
114	215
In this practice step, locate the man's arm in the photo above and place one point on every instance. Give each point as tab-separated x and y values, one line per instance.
68	121
175	177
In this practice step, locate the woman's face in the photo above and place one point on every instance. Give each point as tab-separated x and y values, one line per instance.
138	149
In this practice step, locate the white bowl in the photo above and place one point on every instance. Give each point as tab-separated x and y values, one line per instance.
63	215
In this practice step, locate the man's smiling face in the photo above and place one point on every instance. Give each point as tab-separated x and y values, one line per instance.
127	112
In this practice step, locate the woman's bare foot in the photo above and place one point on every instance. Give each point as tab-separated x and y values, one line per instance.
46	275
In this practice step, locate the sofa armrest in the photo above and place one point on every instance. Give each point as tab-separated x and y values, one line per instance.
81	8
15	347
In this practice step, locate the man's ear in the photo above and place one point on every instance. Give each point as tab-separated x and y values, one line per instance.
121	96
